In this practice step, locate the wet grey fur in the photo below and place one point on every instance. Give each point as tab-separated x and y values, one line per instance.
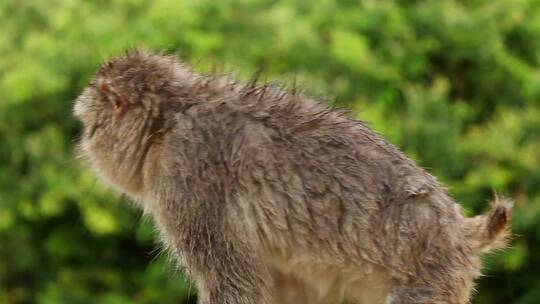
268	196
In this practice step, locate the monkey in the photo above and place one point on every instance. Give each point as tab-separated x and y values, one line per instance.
266	195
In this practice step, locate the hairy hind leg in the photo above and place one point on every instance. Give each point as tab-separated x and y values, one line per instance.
438	287
414	294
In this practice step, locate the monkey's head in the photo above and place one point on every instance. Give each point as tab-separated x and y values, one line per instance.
122	111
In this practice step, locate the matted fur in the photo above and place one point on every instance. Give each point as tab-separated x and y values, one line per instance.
269	196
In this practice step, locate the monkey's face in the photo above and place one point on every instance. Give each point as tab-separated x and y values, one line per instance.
120	112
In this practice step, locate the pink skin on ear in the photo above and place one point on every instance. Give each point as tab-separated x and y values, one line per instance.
118	102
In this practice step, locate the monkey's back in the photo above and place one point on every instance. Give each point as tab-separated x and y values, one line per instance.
309	179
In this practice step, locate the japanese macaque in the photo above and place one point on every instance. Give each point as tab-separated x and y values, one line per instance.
271	197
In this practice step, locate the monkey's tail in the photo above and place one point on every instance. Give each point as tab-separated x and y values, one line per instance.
490	231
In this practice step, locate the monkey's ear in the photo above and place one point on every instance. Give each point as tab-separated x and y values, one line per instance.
119	102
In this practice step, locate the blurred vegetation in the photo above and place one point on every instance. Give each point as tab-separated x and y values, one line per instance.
456	84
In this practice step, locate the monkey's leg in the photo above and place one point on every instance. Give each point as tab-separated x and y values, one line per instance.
407	294
233	280
226	269
224	264
426	291
219	254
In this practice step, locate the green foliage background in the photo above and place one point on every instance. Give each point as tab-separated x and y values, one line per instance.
456	84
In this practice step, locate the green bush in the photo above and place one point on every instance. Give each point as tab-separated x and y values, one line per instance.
456	84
